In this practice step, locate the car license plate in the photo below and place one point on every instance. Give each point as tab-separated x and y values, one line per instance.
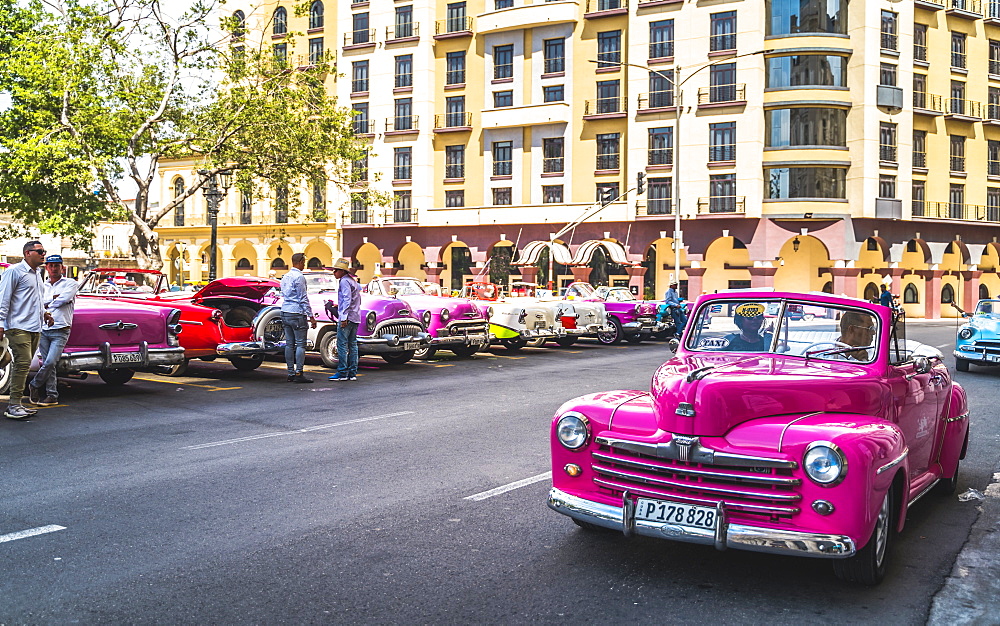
476	341
675	513
540	324
411	345
993	357
126	357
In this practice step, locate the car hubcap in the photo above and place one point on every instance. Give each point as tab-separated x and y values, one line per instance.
882	531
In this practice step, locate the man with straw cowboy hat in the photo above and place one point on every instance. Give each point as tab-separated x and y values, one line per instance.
349	317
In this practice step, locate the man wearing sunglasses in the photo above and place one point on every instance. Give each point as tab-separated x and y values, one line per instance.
21	320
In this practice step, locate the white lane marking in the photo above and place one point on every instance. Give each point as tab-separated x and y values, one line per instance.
508	487
31	532
947	345
295	432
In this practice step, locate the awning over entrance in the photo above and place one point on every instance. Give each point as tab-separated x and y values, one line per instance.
616	253
533	251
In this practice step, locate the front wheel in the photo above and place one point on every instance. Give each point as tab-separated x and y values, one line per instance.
465	351
514	344
328	349
424	353
565	342
246	363
637	338
398	358
116	377
961	365
867	566
614	335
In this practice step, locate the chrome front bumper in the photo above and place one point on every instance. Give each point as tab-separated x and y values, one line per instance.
537	333
978	358
726	535
100	359
478	339
249	348
391	343
586	331
640	326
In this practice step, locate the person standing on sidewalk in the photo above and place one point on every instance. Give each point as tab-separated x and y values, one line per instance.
885	296
349	307
59	300
21	321
295	312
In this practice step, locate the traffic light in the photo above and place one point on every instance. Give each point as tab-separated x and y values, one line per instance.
607	195
640	183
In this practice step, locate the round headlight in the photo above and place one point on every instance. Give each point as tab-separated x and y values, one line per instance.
966	333
824	463
445	315
427	318
370	321
572	430
489	312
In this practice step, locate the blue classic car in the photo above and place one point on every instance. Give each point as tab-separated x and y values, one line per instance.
978	340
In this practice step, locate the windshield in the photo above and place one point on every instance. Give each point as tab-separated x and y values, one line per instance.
579	290
316	282
402	287
123	283
609	294
783	327
989	308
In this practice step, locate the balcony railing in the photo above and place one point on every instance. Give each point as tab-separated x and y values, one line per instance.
359	37
965	108
964	6
661	49
919	159
887	152
928	101
889	41
608	161
454	170
555	64
919	52
358	216
958	60
660	156
359	85
401	123
553	165
656	100
596	6
364	127
722	204
955	211
993	10
993	168
602	106
956	163
403	216
453	25
402	31
654	207
454	77
718	43
460	119
722	153
992	112
721	94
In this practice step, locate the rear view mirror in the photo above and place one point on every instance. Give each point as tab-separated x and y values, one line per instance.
921	364
673	344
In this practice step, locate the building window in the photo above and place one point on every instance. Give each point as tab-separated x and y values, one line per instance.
957	104
279	23
404	71
661	90
454	198
281	205
805	126
359	76
993	157
958	50
722	193
659	197
805	182
887	143
359	169
402	164
555	55
553	93
806	70
994	56
503	158
502	4
886	186
957	153
455	20
608	100
359	209
920	42
316	51
661	39
361	122
246	208
404	22
722	142
910	294
179	209
316	15
789	17
609	48
611	189
947	294
920	148
319	201
552	154
919	207
722	81
361	33
280	51
503	61
993	204
956	202
455	116
502	196
723	31
455	74
404	114
890	31
454	162
401	206
552	194
887	74
661	146
503	99
607	151
993	103
919	91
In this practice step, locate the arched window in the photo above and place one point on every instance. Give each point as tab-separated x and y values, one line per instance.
316	15
872	244
910	294
828	287
871	292
984	292
278	264
947	294
279	25
314	264
244	264
239	24
179	209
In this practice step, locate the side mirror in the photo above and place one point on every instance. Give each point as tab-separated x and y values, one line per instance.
921	364
673	344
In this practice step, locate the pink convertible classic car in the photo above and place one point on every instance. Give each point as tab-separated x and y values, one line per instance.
773	434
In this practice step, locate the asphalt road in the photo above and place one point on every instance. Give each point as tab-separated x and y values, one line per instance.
228	497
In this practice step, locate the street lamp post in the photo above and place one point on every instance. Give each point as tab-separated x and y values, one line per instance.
214	196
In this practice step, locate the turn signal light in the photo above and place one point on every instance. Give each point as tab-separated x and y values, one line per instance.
573	470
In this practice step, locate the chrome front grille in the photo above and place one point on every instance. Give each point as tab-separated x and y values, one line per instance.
403	329
468	328
987	347
767	489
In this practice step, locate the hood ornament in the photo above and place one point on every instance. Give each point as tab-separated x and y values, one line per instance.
685	409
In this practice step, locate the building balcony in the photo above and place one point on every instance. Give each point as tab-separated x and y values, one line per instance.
605	8
927	103
364	38
889	97
527	115
654	207
722	95
525	16
601	108
402	124
400	33
453	122
955	211
721	204
992	112
453	27
992	12
655	102
929	5
358	217
401	216
888	209
969	9
363	127
963	110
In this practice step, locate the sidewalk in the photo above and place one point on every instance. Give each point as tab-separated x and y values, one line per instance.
971	594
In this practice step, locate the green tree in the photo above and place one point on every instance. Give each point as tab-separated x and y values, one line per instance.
102	90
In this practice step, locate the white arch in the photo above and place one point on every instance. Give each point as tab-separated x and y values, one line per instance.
614	249
533	251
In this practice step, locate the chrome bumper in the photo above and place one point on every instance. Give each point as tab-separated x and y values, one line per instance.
477	339
586	331
100	359
726	535
973	357
249	348
537	333
638	327
392	343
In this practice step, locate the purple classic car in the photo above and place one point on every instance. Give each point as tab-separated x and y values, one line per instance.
454	324
631	319
116	339
782	435
389	327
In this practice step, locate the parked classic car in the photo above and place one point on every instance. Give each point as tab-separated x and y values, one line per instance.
796	437
517	321
389	328
218	319
454	324
630	319
574	319
978	340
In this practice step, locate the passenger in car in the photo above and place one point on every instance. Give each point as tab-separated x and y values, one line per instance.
857	329
748	317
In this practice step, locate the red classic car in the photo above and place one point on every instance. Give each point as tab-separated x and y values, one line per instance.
218	319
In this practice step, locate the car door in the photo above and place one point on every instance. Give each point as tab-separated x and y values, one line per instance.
915	392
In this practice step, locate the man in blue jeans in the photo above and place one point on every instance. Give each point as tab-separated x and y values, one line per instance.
349	315
295	312
58	301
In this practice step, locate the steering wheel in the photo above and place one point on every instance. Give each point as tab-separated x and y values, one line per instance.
109	289
835	344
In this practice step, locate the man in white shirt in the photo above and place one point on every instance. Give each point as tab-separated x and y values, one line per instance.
21	321
58	300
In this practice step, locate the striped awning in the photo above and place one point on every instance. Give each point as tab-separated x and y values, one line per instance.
532	252
616	253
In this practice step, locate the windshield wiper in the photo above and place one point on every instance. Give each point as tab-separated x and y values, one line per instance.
837	351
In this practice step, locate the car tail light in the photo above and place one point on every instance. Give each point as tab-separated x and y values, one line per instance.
174	328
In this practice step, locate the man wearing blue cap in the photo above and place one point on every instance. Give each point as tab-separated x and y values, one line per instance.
58	300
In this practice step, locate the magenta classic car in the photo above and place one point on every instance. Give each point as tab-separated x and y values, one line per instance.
116	339
630	319
781	435
454	324
389	328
